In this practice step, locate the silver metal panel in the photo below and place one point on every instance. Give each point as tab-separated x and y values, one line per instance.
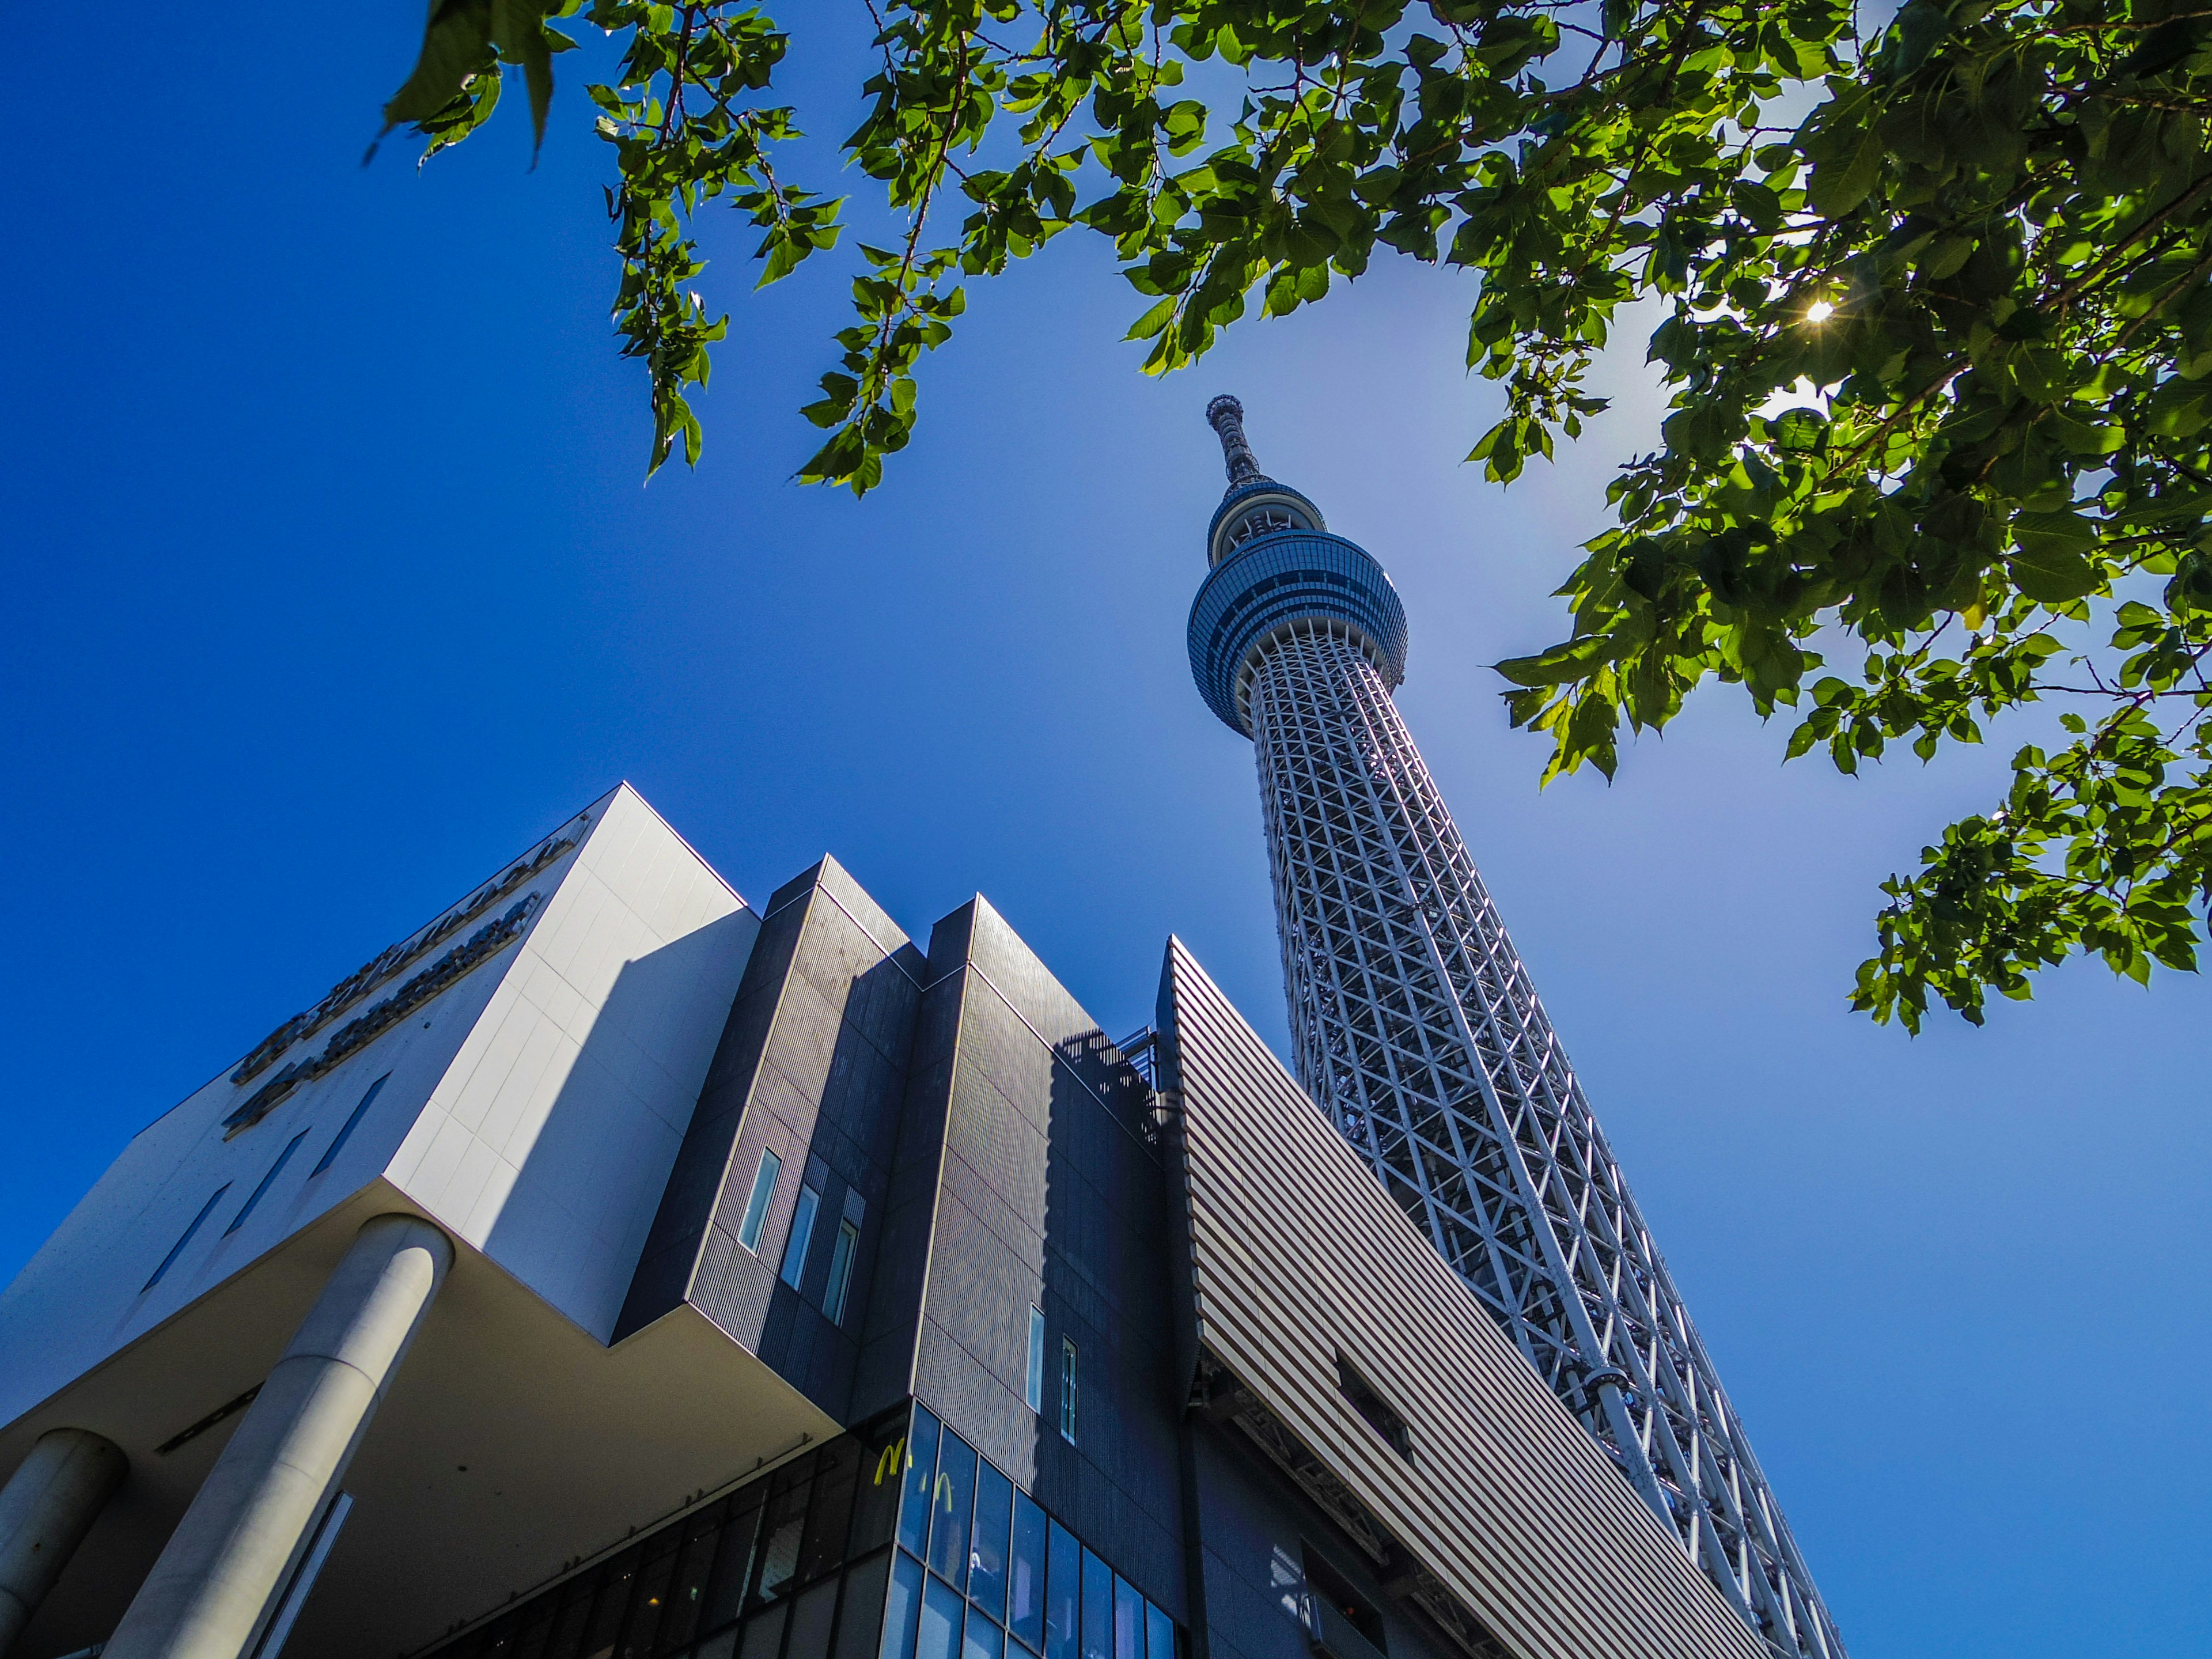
1298	1257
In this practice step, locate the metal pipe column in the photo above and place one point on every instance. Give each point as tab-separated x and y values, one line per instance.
218	1577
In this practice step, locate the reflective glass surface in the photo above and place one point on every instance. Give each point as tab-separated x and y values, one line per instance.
987	1552
1097	1608
1159	1634
984	1640
942	1610
1128	1620
1063	1596
921	1468
1025	1576
952	1500
902	1607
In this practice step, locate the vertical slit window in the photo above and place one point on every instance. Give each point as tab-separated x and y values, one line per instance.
345	1129
1035	1391
749	1230
841	1271
266	1182
802	1235
178	1248
1068	1390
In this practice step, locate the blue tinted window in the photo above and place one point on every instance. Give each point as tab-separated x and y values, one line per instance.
265	1182
1159	1634
1063	1595
1033	1391
802	1235
951	1501
1025	1575
749	1230
913	1497
987	1554
345	1129
984	1641
941	1611
1128	1620
1097	1608
178	1248
900	1606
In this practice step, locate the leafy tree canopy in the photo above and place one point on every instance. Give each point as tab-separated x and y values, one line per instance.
1937	321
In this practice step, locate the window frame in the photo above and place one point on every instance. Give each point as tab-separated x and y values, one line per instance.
801	1239
842	1255
191	1230
1033	1389
768	1175
1069	1391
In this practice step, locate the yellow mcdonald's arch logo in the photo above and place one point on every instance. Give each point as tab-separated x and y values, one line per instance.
891	1462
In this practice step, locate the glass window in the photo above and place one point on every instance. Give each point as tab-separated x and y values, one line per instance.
1026	1580
900	1606
1067	1389
836	1470
178	1248
618	1575
1063	1595
811	1616
1034	1392
841	1271
264	1184
536	1628
764	1634
1128	1620
345	1129
941	1612
1097	1608
987	1553
921	1466
575	1610
984	1641
650	1603
1159	1634
859	1625
749	1230
952	1501
687	1590
783	1525
733	1560
875	1508
802	1235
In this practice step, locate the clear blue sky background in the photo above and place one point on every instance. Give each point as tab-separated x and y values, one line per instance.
331	583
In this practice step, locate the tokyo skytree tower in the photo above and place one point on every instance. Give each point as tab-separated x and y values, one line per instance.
1415	1028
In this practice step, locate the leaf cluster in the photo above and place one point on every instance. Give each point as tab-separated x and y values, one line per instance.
1939	349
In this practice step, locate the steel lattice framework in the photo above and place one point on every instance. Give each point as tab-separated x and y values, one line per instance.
1415	1027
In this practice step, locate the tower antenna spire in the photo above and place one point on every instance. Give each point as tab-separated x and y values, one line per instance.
1226	417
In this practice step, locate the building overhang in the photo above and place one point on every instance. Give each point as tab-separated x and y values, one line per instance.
511	1440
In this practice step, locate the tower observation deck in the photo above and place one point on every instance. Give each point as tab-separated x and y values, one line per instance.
1418	1033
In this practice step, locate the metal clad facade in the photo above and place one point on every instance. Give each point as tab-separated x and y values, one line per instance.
1299	1256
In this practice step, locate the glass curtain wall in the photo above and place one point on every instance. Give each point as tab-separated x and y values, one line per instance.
895	1541
981	1572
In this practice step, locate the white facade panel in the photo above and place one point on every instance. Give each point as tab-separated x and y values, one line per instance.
534	1106
548	1142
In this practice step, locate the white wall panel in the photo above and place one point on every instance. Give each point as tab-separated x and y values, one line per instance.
534	1107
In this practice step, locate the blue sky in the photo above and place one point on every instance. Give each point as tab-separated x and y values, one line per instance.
332	583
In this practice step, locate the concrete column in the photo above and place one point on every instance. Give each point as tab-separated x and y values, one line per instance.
46	1507
219	1576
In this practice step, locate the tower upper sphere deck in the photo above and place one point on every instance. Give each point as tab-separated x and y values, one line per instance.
1277	571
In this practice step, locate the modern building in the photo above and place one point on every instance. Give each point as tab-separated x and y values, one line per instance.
615	1269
